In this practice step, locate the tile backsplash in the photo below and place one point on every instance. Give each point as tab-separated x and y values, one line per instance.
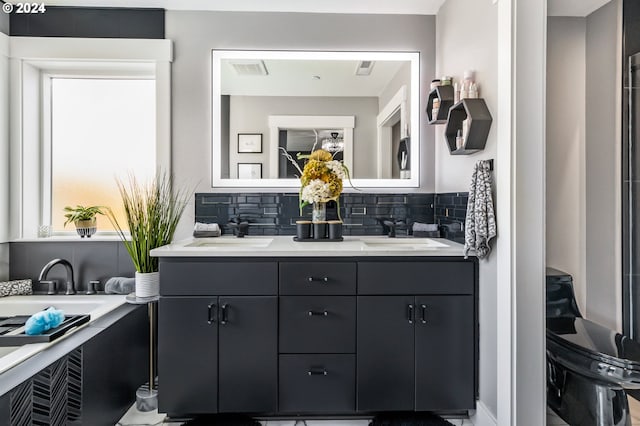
276	213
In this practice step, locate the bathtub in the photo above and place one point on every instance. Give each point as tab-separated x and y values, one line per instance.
94	305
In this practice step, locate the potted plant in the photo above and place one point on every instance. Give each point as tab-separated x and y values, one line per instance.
84	218
152	211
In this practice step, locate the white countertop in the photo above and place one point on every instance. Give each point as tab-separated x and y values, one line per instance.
285	246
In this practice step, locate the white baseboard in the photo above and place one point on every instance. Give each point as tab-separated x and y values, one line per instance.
483	416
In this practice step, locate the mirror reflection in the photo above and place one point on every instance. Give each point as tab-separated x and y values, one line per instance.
356	105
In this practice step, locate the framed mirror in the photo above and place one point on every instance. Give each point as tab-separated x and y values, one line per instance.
363	107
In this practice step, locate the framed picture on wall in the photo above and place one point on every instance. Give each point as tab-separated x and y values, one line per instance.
249	170
250	143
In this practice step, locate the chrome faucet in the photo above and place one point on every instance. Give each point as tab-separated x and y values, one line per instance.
70	283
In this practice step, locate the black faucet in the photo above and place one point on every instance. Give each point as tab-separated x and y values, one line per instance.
390	225
240	226
52	284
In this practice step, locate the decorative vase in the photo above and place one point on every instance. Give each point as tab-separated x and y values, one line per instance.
319	213
147	284
86	228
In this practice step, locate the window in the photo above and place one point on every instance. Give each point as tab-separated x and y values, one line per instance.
84	112
101	129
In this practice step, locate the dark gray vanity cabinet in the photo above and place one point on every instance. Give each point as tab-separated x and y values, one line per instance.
317	338
326	336
415	350
218	353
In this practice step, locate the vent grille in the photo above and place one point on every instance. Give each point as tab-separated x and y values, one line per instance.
364	67
21	404
249	67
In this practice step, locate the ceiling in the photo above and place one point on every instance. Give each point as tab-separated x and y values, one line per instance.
296	78
573	7
415	7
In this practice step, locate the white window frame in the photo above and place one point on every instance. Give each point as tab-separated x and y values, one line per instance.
33	61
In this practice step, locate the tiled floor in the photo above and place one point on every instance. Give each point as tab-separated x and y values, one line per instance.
136	418
634	405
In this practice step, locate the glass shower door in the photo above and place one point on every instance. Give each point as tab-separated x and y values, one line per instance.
631	199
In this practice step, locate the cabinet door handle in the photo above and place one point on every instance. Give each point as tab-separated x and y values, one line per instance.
410	313
318	313
423	314
211	307
318	280
317	371
224	318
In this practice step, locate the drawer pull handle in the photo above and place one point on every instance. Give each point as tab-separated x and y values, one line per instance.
210	314
317	372
223	314
318	313
316	280
423	314
410	313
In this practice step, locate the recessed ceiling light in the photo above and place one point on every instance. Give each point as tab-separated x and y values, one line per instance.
315	77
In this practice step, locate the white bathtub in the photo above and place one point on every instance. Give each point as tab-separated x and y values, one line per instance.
94	305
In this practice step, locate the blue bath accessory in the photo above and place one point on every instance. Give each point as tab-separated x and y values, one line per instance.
42	321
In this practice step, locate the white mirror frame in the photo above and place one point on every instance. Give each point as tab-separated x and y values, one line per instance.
294	184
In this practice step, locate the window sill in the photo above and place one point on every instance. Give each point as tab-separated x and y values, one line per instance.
68	239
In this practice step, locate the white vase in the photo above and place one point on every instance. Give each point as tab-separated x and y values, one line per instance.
147	284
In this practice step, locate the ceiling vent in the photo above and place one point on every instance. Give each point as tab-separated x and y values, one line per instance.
364	67
249	67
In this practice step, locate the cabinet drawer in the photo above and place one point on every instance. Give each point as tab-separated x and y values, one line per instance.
416	277
301	278
201	278
317	383
317	324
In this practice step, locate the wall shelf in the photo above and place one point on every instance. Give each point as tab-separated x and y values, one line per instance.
445	95
476	111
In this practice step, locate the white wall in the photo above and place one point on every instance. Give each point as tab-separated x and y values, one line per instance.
196	33
565	157
602	164
249	114
467	38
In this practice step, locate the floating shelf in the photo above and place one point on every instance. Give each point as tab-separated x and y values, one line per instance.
476	111
445	95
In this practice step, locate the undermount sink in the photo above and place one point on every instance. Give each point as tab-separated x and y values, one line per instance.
404	244
232	243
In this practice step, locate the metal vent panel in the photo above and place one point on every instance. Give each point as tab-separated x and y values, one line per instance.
21	404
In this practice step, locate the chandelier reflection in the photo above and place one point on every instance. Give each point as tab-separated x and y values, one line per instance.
333	144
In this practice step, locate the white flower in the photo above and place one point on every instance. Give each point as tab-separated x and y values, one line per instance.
316	191
336	167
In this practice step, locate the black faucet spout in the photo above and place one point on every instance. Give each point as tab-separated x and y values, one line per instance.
69	269
240	227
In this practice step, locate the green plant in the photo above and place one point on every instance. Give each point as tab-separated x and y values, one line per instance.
152	212
79	212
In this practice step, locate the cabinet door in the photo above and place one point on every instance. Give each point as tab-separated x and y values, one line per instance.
248	351
187	355
445	368
385	353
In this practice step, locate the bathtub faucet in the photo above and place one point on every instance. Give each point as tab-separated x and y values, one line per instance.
70	283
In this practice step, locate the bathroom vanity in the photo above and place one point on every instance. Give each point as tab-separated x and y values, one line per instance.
272	327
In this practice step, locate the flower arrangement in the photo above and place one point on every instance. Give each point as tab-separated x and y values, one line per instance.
321	178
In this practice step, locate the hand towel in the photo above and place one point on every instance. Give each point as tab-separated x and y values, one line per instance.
15	288
120	285
480	224
417	226
206	230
